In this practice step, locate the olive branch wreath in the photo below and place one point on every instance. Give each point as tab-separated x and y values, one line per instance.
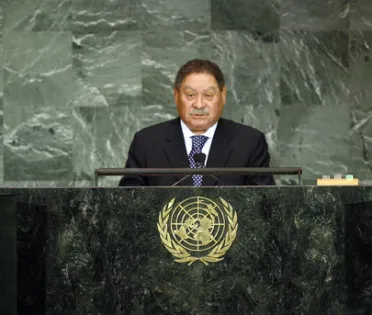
180	253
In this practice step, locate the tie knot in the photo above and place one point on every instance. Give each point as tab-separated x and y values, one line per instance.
198	142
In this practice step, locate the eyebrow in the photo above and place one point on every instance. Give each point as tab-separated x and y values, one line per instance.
210	88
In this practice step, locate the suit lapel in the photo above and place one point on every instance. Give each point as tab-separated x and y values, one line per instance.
220	150
175	149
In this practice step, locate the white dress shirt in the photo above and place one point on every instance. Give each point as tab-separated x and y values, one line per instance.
187	134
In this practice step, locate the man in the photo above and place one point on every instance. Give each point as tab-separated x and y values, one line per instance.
200	96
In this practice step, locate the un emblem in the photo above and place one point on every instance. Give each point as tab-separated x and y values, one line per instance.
197	228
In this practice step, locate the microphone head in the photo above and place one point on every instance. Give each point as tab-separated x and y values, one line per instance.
199	157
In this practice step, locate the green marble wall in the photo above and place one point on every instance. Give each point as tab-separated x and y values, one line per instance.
80	77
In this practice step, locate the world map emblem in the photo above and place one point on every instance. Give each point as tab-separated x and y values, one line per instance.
198	229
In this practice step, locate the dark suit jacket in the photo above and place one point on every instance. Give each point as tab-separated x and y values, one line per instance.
163	146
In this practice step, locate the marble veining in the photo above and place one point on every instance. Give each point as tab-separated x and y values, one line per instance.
299	250
78	78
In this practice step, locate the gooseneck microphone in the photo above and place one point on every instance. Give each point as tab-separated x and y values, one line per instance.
199	159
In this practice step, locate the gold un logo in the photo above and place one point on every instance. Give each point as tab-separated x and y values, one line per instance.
198	228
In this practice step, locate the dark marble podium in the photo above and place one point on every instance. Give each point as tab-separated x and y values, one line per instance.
8	260
298	250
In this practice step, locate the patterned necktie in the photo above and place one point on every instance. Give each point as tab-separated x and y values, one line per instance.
197	146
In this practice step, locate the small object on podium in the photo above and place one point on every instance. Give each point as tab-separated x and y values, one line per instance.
338	180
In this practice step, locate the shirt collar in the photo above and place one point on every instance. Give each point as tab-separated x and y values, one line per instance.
187	133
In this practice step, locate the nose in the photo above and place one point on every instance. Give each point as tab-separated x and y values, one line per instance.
198	102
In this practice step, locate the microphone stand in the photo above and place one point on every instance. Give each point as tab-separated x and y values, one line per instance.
181	180
187	176
211	175
218	180
199	159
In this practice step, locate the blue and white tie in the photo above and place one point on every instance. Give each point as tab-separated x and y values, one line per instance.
197	146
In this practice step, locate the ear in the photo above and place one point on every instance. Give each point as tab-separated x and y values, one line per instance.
176	94
223	93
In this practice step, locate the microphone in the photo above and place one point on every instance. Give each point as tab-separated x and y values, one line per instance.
199	159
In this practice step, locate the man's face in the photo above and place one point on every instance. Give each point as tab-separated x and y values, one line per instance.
199	101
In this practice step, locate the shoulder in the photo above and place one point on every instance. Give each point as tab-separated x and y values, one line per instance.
154	131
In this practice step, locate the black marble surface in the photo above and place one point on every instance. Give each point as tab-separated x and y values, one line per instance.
8	255
299	250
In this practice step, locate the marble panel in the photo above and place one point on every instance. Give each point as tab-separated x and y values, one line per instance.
37	127
37	15
314	15
8	257
92	16
1	96
298	250
1	143
316	138
191	15
358	256
108	67
360	103
360	15
314	67
261	16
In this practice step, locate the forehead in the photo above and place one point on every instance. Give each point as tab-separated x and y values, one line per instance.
199	81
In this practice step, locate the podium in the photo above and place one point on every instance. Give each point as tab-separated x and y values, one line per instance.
8	255
223	250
